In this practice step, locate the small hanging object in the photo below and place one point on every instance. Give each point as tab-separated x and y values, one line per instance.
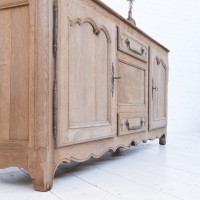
130	18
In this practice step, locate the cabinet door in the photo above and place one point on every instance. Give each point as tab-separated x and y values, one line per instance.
158	90
132	97
87	49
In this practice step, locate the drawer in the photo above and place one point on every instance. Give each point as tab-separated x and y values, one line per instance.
131	123
127	43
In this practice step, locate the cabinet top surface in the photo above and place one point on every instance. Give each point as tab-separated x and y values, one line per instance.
99	2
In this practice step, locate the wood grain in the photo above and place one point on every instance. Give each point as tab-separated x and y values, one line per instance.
158	90
19	74
86	108
4	4
131	85
88	81
5	64
42	75
82	74
101	67
14	153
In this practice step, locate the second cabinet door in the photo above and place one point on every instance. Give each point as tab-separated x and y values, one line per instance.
87	50
158	90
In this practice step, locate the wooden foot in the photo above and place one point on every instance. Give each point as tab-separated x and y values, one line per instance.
41	170
42	187
43	182
162	140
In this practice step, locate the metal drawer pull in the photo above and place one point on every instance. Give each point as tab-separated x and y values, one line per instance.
128	44
126	123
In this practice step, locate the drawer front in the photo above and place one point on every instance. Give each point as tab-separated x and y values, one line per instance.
132	46
131	123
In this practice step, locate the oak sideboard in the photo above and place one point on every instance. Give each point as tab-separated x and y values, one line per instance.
76	80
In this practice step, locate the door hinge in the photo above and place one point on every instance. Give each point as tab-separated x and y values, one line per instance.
55	89
152	89
55	110
55	27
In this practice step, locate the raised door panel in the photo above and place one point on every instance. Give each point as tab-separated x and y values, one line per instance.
131	85
158	90
88	84
86	106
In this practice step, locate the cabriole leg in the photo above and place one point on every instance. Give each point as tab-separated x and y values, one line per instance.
41	170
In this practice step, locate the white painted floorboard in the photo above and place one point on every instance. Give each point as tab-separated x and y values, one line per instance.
145	172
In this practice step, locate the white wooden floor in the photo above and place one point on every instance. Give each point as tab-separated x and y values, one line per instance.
145	172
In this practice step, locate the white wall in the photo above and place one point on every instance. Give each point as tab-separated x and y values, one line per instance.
175	24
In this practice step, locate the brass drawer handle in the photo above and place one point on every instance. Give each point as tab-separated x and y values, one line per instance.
126	123
128	44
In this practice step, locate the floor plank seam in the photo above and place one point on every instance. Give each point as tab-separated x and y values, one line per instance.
56	195
139	183
169	167
154	172
96	186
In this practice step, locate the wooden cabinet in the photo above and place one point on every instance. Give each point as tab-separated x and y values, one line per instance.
77	80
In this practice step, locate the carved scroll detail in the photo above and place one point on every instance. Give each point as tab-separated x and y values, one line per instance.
126	144
160	61
96	29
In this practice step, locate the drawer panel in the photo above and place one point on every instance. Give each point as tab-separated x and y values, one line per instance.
131	123
127	43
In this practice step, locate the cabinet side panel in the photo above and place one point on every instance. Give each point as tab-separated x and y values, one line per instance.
19	73
5	52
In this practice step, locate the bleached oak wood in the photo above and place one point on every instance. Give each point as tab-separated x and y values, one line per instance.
19	73
5	64
86	108
69	91
41	152
12	3
158	89
14	153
